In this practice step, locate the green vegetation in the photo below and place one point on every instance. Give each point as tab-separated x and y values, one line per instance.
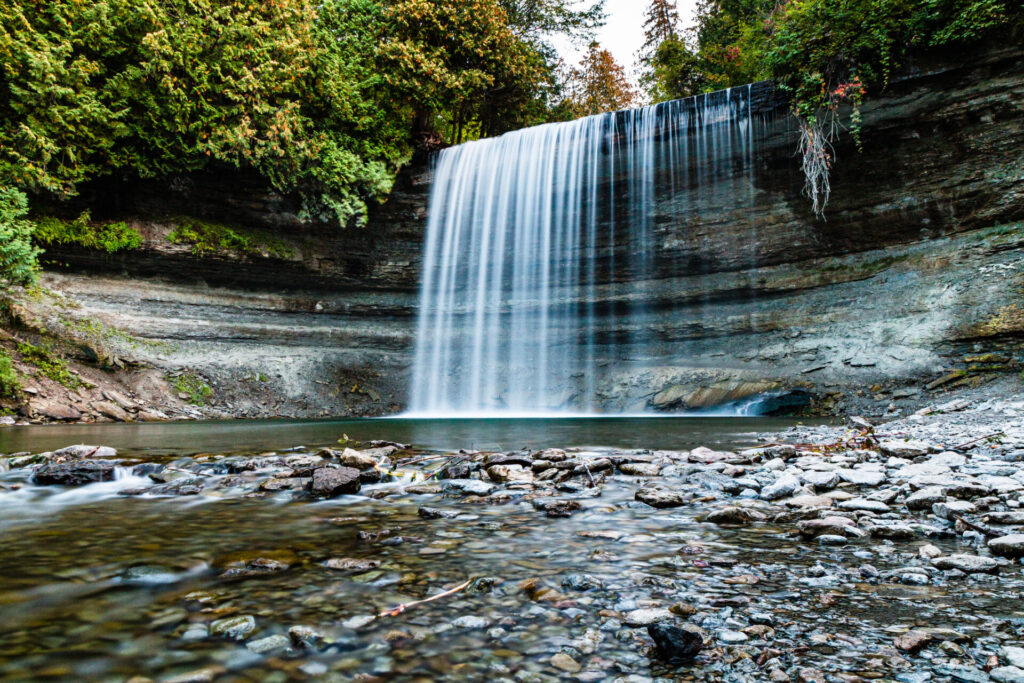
83	232
323	99
50	365
10	384
210	238
199	392
17	255
825	53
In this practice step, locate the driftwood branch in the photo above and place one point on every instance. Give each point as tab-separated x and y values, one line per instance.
394	612
980	438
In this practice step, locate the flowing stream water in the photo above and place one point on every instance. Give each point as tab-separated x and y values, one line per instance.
217	575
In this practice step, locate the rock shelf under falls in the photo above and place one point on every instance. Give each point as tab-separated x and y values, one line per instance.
828	554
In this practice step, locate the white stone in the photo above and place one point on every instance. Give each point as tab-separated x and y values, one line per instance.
821	481
925	498
784	486
1011	545
966	563
1014	656
1007	674
904	449
646	617
864	504
950	509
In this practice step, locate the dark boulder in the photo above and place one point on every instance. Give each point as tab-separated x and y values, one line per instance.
675	645
329	482
73	473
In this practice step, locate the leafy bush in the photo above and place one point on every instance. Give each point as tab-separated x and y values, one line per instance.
198	391
50	365
211	238
18	264
825	53
10	384
82	232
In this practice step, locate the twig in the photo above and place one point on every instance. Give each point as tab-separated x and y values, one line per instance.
585	465
977	527
980	438
394	612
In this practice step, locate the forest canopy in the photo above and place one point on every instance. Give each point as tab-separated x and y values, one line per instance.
323	98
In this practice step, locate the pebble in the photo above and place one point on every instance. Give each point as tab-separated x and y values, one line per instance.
565	663
268	644
235	628
646	617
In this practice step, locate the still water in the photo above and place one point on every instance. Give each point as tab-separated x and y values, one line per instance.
428	434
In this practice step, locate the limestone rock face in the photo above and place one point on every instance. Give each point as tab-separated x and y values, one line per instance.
742	302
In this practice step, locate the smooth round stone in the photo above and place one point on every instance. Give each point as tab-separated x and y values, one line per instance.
727	636
831	539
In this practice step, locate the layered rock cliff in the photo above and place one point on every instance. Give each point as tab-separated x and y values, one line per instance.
914	280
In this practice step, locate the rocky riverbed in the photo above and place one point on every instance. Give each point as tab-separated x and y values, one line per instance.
865	552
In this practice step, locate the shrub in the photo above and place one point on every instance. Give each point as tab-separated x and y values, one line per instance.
18	258
10	384
49	364
82	232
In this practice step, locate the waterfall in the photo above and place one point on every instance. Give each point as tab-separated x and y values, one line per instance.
542	252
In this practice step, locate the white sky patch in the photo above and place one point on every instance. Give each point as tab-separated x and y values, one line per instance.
623	34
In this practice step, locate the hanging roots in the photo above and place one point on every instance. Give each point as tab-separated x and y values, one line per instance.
816	137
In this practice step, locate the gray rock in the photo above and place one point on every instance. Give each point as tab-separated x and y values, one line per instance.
864	504
904	449
925	498
950	509
784	486
736	515
73	472
1013	655
1008	546
821	481
831	539
471	621
306	637
646	617
268	644
83	451
966	563
235	628
474	487
1007	674
329	482
659	497
732	637
640	469
862	477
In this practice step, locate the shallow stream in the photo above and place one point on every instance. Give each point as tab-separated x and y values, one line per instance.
102	587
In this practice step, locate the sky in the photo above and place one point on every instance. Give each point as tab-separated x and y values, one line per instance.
623	35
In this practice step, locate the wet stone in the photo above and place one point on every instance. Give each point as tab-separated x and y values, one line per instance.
736	515
966	563
646	617
235	628
557	508
268	644
352	565
73	473
674	644
329	482
1011	545
660	497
